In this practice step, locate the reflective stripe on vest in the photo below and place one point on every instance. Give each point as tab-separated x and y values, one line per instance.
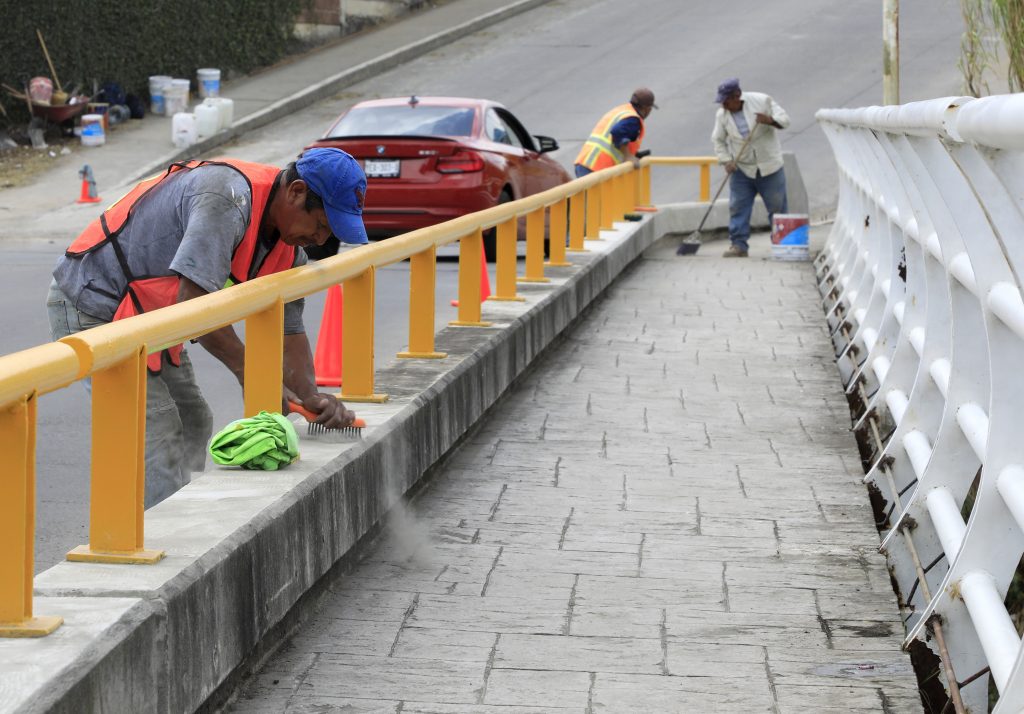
145	293
598	151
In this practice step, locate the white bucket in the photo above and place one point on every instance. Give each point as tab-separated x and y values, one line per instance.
225	111
92	130
209	82
176	97
183	130
157	83
207	120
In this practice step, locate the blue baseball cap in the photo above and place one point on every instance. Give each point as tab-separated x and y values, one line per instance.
339	180
729	86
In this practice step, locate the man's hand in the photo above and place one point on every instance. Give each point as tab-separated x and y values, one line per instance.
765	119
330	412
729	166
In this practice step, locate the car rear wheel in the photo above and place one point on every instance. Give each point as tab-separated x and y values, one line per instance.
491	234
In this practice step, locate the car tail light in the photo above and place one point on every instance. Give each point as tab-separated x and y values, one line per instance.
460	163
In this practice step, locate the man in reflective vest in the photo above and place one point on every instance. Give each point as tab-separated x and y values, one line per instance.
617	136
197	228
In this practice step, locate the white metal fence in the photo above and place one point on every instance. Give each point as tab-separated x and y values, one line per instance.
922	284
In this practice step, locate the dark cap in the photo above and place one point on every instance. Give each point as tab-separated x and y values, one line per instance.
727	88
339	180
643	97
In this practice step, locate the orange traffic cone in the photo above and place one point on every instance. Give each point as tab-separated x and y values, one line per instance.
327	360
485	280
88	194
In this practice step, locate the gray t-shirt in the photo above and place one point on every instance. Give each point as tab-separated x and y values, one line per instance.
190	225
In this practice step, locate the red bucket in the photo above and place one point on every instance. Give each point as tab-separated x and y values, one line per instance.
40	89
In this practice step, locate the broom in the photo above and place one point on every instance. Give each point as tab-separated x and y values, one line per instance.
691	244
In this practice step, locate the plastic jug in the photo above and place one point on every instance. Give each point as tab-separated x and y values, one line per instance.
183	130
207	120
225	110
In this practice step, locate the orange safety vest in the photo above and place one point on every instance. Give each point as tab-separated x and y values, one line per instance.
598	151
146	293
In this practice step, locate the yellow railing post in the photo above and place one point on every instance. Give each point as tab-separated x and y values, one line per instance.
705	181
594	198
264	356
357	339
608	204
422	284
534	248
643	197
18	522
118	482
627	190
505	284
556	235
577	216
471	258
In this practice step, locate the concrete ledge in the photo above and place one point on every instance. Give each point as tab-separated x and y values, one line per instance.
244	547
102	659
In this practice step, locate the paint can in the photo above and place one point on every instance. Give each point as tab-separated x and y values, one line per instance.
208	81
92	130
157	84
790	234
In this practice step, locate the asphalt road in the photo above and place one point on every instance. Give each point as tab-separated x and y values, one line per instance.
558	68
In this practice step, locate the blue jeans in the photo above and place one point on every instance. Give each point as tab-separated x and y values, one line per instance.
581	171
742	191
179	422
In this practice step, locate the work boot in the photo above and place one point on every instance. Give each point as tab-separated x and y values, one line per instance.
734	251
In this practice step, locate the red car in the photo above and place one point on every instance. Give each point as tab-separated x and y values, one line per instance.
430	159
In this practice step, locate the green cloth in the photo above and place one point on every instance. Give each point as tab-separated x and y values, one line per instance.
266	441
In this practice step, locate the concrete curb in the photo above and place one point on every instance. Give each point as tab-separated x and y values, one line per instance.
166	642
334	83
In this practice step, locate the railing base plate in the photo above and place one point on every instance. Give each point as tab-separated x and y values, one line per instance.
560	264
421	355
362	398
469	323
533	280
32	627
517	298
85	554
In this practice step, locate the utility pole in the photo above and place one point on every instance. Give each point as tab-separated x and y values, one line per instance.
890	51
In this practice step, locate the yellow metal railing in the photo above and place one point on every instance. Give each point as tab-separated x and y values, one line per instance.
114	357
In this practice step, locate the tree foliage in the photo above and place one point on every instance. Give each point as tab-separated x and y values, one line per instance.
992	29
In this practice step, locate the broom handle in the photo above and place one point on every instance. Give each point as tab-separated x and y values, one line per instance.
48	60
743	148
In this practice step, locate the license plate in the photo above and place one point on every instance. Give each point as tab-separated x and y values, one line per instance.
382	168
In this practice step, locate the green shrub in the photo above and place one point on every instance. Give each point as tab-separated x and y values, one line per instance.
126	41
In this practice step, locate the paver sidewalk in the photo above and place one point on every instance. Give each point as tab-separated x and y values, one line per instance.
665	516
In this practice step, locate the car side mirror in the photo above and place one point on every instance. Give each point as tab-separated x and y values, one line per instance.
546	143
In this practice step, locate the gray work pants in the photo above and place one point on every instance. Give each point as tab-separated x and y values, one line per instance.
179	422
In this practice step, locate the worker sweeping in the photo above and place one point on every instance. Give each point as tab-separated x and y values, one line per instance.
197	228
617	136
758	171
